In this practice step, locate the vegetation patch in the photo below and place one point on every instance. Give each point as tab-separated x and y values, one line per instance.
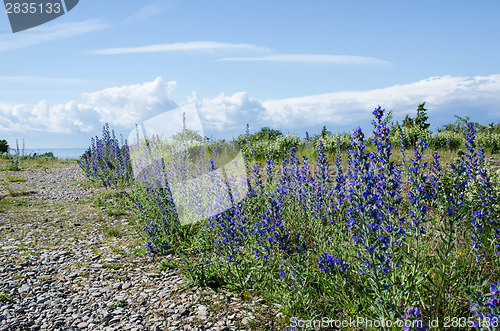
167	265
14	178
400	225
4	297
15	202
113	265
113	231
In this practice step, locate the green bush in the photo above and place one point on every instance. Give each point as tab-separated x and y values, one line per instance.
4	147
367	242
446	140
489	140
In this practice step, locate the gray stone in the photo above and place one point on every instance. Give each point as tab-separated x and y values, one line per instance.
202	312
82	325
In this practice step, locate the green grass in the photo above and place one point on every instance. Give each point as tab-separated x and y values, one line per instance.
14	178
139	251
113	231
119	304
14	202
16	191
8	163
113	265
9	166
115	202
167	265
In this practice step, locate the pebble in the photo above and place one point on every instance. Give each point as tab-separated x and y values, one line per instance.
82	325
50	274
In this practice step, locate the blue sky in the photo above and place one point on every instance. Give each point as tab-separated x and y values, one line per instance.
292	65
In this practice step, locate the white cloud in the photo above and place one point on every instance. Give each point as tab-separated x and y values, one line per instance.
119	106
61	118
11	115
198	46
46	34
128	105
145	13
313	58
480	93
228	112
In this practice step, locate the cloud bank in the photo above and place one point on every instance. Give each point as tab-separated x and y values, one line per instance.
477	95
127	105
119	106
124	106
228	113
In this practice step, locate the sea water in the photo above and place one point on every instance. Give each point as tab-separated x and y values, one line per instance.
61	153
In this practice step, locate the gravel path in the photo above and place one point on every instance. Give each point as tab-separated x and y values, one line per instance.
68	262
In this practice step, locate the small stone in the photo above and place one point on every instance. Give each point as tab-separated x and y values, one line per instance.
183	312
114	320
82	325
126	286
202	312
245	320
24	288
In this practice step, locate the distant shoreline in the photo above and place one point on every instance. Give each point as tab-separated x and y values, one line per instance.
61	153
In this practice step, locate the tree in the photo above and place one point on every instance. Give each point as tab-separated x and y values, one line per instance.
187	135
4	147
420	121
408	122
325	132
267	133
460	125
421	118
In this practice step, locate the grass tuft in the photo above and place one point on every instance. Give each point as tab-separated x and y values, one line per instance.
113	232
14	178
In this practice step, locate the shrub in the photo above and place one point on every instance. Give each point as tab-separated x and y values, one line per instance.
446	140
107	161
489	140
335	143
371	239
411	135
4	146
